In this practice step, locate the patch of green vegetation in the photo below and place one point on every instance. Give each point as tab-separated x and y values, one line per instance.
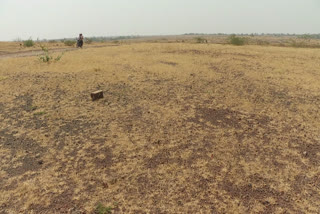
235	40
40	113
101	209
69	42
28	43
46	57
58	57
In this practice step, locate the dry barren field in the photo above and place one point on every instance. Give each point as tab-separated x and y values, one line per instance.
182	128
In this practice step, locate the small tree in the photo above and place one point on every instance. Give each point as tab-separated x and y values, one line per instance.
46	57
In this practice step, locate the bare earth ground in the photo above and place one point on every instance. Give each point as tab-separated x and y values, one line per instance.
183	128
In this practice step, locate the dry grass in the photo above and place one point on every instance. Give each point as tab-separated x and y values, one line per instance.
183	128
14	48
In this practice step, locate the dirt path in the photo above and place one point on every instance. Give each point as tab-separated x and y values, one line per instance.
38	52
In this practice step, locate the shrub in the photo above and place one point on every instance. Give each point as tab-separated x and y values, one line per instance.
46	57
201	40
58	57
28	43
69	42
235	40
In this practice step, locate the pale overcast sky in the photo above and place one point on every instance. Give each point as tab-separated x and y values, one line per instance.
67	18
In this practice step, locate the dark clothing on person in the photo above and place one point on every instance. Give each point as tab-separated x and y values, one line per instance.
80	41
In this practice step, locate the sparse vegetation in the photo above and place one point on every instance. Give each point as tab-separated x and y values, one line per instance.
303	44
39	113
69	42
31	108
2	78
58	58
298	44
235	40
262	42
28	43
88	40
201	40
309	36
46	57
101	209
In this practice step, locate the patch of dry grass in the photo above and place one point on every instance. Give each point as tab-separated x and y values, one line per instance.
18	47
183	128
2	78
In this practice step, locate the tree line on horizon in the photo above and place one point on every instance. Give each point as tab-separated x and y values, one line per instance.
118	38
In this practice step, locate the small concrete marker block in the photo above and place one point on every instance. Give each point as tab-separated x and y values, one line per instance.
97	95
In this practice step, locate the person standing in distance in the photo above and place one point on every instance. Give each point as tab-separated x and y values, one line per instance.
80	41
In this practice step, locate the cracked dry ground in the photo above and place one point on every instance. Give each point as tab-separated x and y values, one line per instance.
183	128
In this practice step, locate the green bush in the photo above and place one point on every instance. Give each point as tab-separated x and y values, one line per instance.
28	43
69	42
235	40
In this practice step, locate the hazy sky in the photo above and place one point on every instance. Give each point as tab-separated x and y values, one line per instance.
67	18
